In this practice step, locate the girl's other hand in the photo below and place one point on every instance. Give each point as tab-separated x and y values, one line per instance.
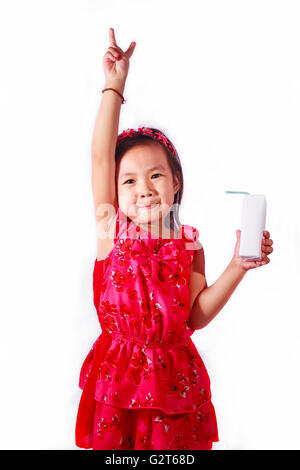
266	249
115	61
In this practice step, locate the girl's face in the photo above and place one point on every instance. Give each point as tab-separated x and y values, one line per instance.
144	178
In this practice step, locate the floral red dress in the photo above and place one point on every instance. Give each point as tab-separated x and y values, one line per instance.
144	384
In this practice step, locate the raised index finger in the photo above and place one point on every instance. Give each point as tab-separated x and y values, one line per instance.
112	38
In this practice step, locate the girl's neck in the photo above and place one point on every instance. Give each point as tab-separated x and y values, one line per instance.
158	230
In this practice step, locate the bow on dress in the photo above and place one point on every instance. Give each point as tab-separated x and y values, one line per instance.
158	261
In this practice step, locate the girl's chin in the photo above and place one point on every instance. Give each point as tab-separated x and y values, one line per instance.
149	213
146	215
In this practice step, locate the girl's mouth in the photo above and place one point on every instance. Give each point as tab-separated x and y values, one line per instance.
152	206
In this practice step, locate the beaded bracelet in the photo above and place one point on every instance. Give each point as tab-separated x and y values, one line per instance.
123	100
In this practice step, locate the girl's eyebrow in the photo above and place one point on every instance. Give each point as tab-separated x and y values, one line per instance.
159	167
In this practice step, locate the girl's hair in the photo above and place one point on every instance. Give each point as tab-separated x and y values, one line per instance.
127	143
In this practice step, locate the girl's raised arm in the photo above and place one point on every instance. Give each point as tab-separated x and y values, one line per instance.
116	65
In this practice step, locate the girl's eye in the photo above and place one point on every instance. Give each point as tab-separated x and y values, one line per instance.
152	175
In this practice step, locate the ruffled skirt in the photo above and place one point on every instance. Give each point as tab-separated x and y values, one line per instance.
149	429
101	426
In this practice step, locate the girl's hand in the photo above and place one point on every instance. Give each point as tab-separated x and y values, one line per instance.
266	248
115	61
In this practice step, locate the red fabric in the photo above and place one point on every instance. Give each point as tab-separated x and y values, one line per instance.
87	406
120	429
144	364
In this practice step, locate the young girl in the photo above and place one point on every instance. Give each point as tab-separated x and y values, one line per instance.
144	383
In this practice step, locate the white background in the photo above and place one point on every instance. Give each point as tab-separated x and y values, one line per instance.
222	79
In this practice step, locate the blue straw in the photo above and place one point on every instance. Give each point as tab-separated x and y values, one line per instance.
236	192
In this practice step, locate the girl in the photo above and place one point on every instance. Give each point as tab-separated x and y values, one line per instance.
144	383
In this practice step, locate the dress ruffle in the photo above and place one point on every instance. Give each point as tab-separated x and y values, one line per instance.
147	429
173	380
203	414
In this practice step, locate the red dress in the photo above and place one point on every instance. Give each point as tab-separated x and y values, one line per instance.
144	384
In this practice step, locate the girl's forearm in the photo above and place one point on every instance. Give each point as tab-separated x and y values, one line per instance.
213	298
107	122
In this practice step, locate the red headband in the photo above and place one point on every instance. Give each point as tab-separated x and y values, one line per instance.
146	131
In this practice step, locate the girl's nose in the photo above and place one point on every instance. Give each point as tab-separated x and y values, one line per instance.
146	193
145	190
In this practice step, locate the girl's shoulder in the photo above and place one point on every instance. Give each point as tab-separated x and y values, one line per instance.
190	235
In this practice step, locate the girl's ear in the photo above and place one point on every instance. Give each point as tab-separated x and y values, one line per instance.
176	184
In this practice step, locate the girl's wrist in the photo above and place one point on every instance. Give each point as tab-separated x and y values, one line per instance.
237	267
118	85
